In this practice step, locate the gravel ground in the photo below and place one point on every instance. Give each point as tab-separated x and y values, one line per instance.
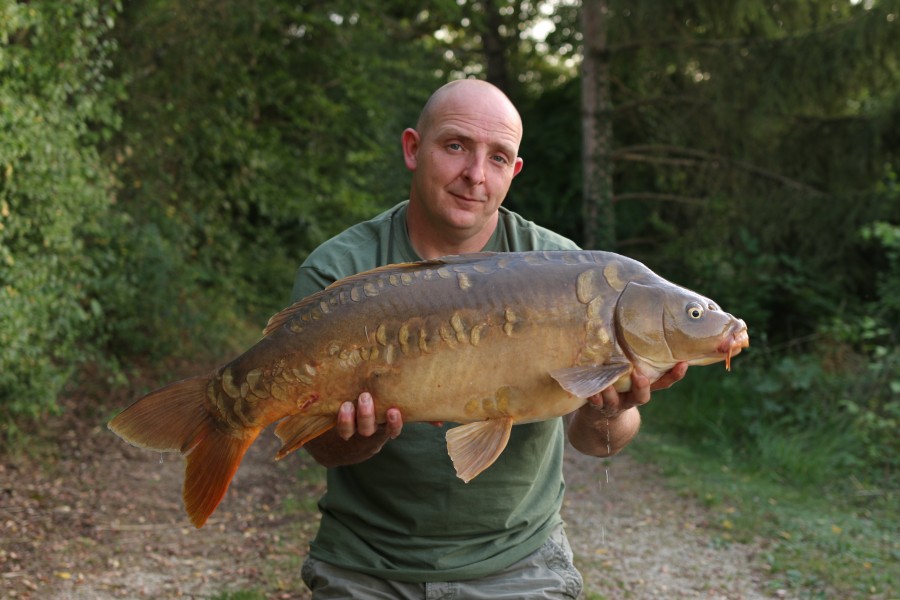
635	538
100	520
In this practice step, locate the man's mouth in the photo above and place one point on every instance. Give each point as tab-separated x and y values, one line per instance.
466	198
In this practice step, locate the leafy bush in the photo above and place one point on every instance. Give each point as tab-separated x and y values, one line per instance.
54	191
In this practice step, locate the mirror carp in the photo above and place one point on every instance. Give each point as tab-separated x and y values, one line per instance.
486	340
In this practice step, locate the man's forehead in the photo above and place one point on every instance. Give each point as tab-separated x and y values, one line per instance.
477	126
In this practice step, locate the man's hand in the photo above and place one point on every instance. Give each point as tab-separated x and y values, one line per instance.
356	435
675	375
609	403
609	420
360	420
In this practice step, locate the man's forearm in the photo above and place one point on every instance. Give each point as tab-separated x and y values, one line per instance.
598	435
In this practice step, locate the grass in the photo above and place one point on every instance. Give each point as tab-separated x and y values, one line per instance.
817	544
797	492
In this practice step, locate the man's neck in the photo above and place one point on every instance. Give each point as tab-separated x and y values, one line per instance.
430	245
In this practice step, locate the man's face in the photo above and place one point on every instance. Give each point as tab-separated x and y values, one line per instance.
464	161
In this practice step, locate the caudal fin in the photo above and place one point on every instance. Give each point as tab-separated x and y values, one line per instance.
175	419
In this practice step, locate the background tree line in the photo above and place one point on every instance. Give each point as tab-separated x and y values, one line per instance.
165	166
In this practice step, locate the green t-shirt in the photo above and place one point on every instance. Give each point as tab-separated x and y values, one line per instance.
403	514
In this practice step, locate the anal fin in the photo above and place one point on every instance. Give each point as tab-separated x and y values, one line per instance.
587	380
298	429
475	446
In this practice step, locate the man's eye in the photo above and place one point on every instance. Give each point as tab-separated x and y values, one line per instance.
455	146
500	159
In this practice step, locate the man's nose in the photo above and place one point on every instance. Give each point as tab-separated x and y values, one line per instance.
474	171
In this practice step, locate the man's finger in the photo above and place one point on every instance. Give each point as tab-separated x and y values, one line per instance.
676	374
394	423
346	421
365	415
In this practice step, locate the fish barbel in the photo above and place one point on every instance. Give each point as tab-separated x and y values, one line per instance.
486	340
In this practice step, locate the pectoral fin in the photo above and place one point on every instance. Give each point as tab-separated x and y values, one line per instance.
475	446
299	429
587	380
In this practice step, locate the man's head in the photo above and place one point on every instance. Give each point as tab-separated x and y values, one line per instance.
463	155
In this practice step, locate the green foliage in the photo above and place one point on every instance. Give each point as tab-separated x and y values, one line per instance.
252	136
548	189
793	416
55	191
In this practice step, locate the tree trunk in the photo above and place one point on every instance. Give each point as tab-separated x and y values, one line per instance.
494	47
596	114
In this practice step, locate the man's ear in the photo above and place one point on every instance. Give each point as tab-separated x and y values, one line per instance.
410	142
517	168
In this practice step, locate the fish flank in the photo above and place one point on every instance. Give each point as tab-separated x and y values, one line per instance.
447	335
403	338
611	274
459	327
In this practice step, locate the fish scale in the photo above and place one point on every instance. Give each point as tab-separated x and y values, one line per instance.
486	340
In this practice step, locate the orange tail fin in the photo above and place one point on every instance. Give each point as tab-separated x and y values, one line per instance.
175	419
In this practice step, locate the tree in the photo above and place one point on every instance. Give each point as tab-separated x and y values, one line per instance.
596	130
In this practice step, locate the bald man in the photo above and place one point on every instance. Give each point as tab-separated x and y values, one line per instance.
396	521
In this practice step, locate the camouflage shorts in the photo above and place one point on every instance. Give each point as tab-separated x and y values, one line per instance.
546	573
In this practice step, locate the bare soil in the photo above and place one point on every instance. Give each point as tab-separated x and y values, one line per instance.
86	516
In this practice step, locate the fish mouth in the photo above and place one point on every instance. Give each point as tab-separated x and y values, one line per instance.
736	340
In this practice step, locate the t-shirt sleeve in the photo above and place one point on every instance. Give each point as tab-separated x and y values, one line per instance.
309	280
362	247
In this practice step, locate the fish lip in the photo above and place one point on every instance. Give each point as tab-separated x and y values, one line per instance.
735	340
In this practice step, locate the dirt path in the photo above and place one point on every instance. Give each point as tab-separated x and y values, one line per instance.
635	538
103	520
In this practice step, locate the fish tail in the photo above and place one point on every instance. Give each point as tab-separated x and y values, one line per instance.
175	419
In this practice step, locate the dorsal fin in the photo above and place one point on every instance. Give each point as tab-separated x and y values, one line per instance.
280	318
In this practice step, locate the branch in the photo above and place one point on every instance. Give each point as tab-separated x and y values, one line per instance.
685	99
662	160
658	197
639	153
739	41
678	42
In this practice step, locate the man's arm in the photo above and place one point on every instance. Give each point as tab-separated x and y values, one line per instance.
609	420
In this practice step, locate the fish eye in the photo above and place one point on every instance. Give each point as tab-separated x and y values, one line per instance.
695	311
